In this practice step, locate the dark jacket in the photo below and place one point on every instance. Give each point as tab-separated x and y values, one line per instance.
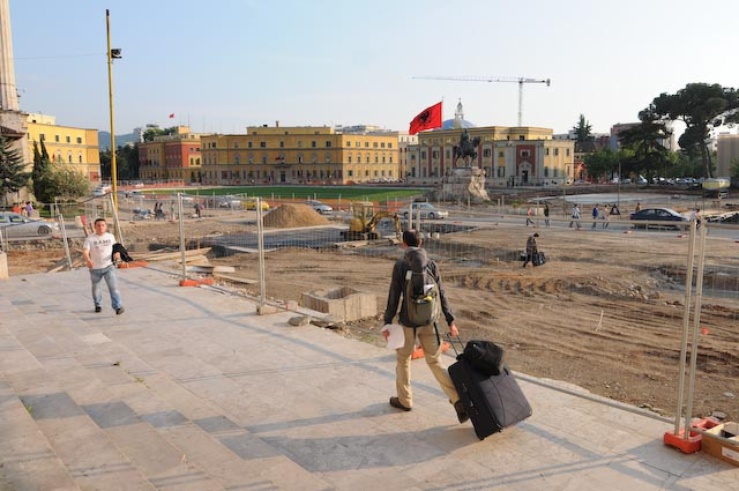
397	287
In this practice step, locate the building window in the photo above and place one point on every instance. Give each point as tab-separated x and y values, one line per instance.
486	153
525	153
328	144
56	138
313	144
262	144
547	152
350	159
567	152
556	152
501	154
42	137
79	158
236	144
248	145
282	144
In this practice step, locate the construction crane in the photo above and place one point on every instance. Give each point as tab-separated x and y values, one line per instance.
519	80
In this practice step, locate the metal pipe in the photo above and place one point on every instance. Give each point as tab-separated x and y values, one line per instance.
182	237
696	324
686	326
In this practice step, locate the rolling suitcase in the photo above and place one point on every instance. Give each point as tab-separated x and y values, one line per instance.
538	259
492	402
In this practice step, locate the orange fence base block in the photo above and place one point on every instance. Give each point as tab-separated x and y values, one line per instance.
691	445
132	264
418	352
190	282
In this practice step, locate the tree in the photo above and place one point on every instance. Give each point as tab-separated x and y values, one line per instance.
700	106
41	173
13	175
601	162
68	184
646	141
583	130
155	131
734	168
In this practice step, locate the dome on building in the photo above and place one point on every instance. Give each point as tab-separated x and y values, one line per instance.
458	122
451	124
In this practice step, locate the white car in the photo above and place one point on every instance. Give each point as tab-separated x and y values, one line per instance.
426	210
16	226
319	206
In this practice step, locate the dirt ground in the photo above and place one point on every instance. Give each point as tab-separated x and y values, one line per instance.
605	313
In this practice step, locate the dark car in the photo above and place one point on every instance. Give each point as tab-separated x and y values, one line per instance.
657	215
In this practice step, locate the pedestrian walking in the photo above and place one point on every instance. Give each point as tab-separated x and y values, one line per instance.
415	259
531	248
98	253
575	216
529	215
546	214
595	215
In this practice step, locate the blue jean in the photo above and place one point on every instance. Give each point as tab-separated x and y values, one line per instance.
96	275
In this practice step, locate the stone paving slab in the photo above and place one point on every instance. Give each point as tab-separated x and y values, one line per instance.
191	389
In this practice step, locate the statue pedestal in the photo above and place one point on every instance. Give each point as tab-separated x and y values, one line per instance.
466	183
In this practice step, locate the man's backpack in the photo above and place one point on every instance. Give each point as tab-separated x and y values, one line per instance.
421	294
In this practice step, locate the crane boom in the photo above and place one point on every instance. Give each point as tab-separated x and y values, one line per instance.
519	80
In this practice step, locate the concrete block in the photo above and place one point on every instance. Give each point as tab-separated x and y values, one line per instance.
346	304
4	275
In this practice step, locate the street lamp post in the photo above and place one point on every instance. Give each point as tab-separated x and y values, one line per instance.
113	54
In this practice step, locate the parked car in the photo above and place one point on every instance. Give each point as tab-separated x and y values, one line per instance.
426	210
251	204
658	215
319	206
230	202
14	225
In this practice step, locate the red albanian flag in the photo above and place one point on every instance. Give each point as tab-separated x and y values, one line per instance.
427	119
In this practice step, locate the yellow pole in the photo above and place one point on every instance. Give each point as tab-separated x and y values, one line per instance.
113	165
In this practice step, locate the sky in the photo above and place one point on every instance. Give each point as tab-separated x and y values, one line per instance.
223	65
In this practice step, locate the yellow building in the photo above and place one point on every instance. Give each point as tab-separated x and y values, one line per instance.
174	157
302	154
76	148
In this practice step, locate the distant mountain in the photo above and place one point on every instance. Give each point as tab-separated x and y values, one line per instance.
104	139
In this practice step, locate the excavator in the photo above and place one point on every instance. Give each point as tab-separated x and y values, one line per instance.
365	219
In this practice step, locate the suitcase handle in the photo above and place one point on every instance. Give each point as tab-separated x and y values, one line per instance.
452	342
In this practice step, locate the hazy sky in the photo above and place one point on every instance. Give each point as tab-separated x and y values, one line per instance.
222	65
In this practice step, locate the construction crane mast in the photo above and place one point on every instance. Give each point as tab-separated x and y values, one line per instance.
519	80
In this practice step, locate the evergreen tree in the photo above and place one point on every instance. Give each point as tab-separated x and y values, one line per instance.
13	175
41	173
583	130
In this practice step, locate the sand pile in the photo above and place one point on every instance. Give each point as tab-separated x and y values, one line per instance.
292	215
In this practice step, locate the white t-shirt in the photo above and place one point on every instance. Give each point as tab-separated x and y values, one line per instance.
101	249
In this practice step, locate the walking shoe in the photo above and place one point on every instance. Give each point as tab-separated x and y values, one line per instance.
395	402
98	309
462	415
119	310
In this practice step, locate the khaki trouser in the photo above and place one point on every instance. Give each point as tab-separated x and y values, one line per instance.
432	352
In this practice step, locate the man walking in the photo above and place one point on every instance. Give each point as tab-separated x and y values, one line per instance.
531	248
427	335
595	215
575	216
98	253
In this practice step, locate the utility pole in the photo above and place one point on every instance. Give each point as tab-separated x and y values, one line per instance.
519	80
